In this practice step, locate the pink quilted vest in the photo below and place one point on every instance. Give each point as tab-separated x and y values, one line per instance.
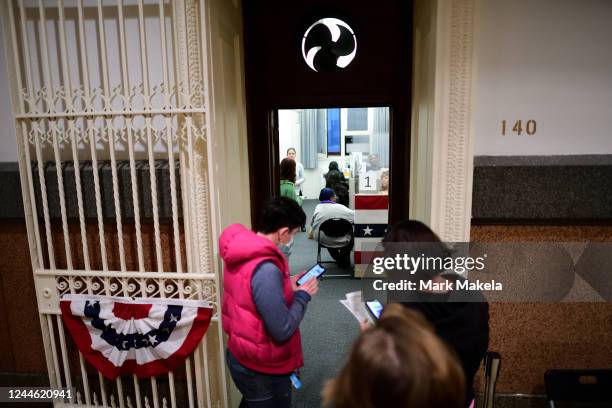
242	251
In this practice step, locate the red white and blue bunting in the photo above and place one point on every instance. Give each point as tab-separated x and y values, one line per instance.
371	221
146	337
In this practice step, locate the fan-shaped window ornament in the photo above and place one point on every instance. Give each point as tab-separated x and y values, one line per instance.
329	44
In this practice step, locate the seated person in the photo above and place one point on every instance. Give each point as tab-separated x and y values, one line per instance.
333	174
328	208
384	182
373	163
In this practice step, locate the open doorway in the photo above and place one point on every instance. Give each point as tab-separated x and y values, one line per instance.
347	151
330	116
277	76
342	160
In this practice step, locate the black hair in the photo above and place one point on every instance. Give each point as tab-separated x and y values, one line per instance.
278	213
415	238
410	231
333	165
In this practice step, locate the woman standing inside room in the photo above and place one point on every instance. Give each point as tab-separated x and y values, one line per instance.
299	171
287	180
287	189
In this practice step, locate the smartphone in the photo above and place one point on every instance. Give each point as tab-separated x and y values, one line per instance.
315	272
375	308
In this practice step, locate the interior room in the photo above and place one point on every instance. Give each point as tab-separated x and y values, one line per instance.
357	140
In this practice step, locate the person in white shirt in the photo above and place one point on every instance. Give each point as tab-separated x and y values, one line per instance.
299	171
328	208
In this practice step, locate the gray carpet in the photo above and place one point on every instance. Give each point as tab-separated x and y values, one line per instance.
328	329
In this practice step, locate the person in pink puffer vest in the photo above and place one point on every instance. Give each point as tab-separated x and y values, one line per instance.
263	306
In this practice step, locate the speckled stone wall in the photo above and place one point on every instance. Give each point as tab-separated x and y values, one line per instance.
21	348
542	188
532	337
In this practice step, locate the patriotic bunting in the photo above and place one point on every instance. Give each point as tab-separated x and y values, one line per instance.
146	337
371	222
371	202
370	230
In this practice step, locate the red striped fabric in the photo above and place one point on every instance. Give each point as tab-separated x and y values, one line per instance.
127	311
365	257
371	202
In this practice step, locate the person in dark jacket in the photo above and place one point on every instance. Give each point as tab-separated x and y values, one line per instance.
335	180
460	318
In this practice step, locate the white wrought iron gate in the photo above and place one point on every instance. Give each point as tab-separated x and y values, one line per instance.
110	109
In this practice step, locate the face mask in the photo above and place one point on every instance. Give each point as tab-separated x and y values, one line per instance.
286	246
290	243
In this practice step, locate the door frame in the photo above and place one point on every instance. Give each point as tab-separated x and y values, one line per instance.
445	79
431	138
399	158
346	89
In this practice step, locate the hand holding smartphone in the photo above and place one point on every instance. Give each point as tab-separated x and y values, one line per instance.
315	272
375	308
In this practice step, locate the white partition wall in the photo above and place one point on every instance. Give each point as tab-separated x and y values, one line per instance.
121	83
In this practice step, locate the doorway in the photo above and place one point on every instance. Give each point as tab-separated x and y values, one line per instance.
283	92
344	151
277	76
342	160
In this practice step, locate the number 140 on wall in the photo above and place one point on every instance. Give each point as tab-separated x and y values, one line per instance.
530	127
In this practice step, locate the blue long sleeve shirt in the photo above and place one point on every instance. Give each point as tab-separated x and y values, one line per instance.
280	320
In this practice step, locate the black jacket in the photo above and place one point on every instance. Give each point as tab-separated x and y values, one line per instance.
464	326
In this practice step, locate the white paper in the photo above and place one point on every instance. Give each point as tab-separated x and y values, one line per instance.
369	181
357	308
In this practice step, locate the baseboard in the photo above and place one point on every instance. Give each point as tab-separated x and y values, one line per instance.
516	401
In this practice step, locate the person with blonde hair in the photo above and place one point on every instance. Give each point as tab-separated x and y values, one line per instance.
399	362
299	170
384	182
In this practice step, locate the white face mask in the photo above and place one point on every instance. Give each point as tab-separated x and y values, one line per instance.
288	244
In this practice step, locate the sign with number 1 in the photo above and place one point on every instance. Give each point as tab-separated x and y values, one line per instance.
368	181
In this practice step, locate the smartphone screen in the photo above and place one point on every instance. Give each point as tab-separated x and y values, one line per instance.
375	307
314	272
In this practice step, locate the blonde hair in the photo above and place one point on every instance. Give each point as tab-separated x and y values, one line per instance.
399	362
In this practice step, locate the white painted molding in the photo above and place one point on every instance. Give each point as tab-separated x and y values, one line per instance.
423	78
444	199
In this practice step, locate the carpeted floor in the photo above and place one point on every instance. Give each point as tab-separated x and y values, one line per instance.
328	329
